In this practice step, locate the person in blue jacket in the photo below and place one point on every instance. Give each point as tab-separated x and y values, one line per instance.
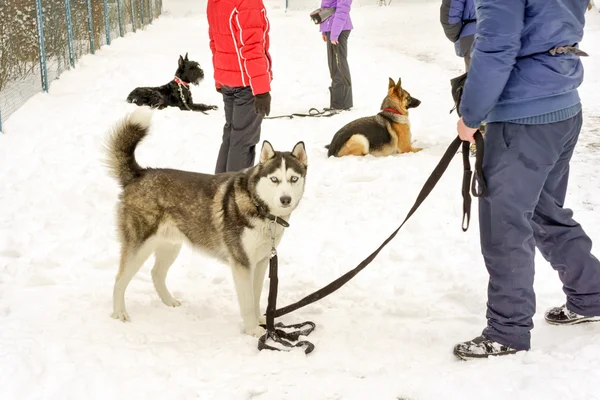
523	78
458	20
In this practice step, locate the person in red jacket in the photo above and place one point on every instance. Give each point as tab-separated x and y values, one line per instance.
239	41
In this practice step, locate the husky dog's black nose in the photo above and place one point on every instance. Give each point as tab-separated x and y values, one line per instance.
285	200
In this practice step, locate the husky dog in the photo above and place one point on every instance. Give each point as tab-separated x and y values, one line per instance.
381	135
175	93
235	217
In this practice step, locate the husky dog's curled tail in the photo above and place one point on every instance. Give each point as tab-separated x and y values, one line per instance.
122	142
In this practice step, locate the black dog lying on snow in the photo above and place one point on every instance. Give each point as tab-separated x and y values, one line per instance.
175	93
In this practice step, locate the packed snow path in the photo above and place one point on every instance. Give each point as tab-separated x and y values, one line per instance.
387	334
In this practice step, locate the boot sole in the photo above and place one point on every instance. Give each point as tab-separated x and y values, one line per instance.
574	321
466	357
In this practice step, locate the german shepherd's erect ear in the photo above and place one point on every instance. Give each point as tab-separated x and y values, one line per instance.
391	83
396	86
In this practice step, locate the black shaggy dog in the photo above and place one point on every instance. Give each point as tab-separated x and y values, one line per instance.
175	93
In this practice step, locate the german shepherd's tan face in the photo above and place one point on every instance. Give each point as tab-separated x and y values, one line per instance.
399	98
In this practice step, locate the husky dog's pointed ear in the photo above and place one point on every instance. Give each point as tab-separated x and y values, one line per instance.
299	152
267	152
391	83
180	62
186	58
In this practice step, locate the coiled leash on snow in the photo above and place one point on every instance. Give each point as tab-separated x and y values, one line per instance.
279	335
475	182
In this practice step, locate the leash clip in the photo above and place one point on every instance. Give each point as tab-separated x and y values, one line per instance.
272	226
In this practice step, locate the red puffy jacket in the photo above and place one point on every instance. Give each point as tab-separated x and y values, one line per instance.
239	41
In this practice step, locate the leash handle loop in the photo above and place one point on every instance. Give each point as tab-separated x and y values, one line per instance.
478	186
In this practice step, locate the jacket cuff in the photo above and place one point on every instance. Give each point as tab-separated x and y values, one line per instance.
472	125
261	84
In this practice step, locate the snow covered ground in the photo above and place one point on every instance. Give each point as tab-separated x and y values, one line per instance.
387	334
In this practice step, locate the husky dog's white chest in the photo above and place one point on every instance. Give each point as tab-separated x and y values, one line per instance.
257	242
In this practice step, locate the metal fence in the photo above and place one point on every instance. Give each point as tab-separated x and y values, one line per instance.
39	39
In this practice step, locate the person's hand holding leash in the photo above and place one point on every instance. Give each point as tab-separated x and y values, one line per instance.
334	42
464	132
324	37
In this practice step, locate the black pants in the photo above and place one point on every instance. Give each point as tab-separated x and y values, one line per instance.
241	132
341	83
527	172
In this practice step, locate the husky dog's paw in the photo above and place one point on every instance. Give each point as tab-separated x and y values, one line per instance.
212	107
122	315
172	302
262	319
256	331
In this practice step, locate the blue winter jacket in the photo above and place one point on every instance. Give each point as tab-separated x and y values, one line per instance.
512	75
457	18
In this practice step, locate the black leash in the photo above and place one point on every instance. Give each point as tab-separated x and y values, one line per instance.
312	112
476	186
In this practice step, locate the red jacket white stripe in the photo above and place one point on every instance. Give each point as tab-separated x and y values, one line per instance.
239	41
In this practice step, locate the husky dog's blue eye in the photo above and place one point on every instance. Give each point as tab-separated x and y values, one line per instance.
294	179
274	180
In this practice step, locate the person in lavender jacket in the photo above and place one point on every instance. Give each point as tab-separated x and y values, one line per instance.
336	30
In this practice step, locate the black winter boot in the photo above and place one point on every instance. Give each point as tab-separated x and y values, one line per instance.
562	316
481	347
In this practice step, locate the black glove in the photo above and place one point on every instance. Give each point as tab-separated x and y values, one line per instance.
219	90
262	103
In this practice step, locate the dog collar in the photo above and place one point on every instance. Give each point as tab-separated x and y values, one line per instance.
180	82
392	110
271	217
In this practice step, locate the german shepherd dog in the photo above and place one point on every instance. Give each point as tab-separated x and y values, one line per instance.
381	135
235	217
176	93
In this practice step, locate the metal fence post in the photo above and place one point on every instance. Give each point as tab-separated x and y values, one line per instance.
133	14
91	27
142	11
42	45
120	12
106	24
70	32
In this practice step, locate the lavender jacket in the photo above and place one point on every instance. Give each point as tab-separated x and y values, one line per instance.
338	22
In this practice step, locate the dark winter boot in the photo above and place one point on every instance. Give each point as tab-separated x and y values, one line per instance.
562	316
481	347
